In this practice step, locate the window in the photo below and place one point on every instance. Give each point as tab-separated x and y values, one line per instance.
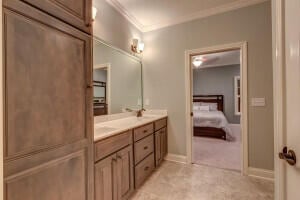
237	95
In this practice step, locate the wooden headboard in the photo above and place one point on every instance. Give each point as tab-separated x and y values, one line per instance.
218	99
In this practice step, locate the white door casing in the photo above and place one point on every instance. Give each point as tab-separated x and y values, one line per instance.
242	46
286	38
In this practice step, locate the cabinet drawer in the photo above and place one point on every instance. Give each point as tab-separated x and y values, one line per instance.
143	170
143	131
160	124
143	148
110	145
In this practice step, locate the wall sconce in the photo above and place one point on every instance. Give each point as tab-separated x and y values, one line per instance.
137	46
94	13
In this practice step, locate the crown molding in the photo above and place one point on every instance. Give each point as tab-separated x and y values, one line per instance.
116	4
197	15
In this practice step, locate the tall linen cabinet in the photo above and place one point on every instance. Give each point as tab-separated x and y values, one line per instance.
48	119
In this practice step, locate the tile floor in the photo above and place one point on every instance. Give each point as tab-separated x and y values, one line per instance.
174	181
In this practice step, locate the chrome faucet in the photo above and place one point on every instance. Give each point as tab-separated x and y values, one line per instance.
139	113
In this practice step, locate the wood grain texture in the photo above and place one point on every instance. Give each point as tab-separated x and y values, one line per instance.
143	148
160	124
106	179
143	131
143	170
74	12
110	145
48	136
125	171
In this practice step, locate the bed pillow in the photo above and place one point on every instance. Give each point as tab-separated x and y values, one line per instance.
196	105
204	108
212	106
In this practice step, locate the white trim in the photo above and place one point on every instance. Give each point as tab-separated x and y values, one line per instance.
278	90
197	15
244	98
261	173
176	158
108	84
118	6
236	96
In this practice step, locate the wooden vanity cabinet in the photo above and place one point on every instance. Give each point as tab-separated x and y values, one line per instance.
161	141
77	13
106	179
125	161
114	176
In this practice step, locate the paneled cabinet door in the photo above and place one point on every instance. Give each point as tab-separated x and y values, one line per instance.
160	145
106	179
74	12
125	173
48	136
164	143
158	157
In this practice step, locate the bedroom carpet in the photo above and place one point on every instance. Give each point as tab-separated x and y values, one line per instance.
217	152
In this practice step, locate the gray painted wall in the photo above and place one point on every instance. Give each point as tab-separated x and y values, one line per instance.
164	69
112	27
218	80
100	75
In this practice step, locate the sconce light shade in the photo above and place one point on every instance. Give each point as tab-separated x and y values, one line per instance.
137	46
141	47
94	13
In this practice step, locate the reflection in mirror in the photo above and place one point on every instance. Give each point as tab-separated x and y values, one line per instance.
117	80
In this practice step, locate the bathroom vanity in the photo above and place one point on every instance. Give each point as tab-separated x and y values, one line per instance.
127	151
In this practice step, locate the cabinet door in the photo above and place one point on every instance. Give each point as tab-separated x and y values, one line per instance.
125	173
48	136
164	142
158	146
106	179
74	12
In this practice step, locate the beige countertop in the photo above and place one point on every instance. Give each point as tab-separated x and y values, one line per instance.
106	129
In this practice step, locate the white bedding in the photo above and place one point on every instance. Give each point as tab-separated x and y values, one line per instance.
215	119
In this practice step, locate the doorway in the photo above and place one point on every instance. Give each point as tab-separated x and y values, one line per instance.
102	93
202	131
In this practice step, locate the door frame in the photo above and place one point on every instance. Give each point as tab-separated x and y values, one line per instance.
242	46
278	93
1	105
108	85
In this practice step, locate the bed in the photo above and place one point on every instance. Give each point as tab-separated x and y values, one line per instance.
208	117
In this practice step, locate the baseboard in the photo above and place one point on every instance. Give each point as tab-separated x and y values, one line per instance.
261	173
176	158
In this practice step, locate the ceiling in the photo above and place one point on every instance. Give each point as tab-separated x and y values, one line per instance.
220	59
148	15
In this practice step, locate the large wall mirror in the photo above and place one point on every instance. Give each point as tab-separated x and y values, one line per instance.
117	80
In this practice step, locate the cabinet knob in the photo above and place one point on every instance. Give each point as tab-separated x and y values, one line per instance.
145	147
145	131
